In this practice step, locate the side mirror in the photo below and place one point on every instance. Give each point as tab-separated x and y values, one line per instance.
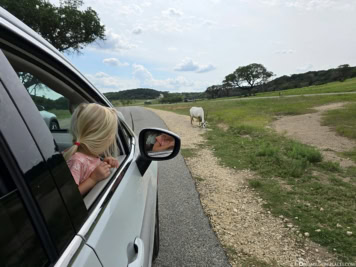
158	144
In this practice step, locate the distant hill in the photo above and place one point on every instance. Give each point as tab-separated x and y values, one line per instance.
139	93
341	73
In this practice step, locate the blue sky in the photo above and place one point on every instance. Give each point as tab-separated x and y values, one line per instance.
188	45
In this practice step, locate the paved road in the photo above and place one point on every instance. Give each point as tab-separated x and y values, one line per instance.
186	236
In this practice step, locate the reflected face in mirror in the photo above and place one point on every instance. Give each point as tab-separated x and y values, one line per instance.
159	144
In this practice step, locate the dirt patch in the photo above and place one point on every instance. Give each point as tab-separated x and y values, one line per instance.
307	129
223	126
245	229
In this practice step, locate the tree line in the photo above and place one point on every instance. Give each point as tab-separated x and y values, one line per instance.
253	78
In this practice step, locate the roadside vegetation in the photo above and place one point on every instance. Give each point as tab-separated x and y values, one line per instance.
317	195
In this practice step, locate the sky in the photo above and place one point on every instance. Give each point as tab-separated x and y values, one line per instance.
188	45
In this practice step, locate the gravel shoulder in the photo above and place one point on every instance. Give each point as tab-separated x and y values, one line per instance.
250	235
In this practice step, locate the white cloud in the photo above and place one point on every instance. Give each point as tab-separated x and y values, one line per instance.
129	10
115	62
106	83
142	74
172	48
137	30
305	68
206	68
209	23
172	12
285	51
188	64
311	4
180	83
115	42
146	4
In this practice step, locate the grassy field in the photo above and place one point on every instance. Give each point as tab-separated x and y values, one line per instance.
292	177
334	87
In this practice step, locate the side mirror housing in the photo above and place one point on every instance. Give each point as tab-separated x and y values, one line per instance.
158	145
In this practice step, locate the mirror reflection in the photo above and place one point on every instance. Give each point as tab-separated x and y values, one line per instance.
159	144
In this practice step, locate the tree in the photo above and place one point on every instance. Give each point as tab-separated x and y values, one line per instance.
213	91
248	77
66	27
344	71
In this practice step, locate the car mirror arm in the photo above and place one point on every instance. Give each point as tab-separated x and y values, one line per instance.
142	164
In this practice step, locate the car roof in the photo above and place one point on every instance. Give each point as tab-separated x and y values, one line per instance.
11	23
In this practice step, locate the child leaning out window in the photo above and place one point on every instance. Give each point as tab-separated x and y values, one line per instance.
94	129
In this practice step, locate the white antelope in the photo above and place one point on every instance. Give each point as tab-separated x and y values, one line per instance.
197	113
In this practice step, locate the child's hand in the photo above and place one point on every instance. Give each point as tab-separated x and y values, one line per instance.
114	163
101	172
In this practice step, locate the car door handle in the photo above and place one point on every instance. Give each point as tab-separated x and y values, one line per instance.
140	252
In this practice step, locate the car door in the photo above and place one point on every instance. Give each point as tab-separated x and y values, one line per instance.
36	226
124	212
120	228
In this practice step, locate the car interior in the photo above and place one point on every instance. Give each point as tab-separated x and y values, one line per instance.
51	86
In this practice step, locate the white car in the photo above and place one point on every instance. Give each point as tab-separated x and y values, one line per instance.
44	219
49	118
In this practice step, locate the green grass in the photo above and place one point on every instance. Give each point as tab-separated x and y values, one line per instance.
292	177
188	152
334	87
350	154
343	121
330	166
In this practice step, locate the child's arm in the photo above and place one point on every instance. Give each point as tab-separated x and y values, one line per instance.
86	186
100	173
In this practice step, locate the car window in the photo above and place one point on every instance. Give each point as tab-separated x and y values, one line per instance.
53	107
55	96
18	238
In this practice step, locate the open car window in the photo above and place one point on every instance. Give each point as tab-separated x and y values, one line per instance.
55	99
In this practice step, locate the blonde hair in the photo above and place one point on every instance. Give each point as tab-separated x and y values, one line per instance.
94	129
